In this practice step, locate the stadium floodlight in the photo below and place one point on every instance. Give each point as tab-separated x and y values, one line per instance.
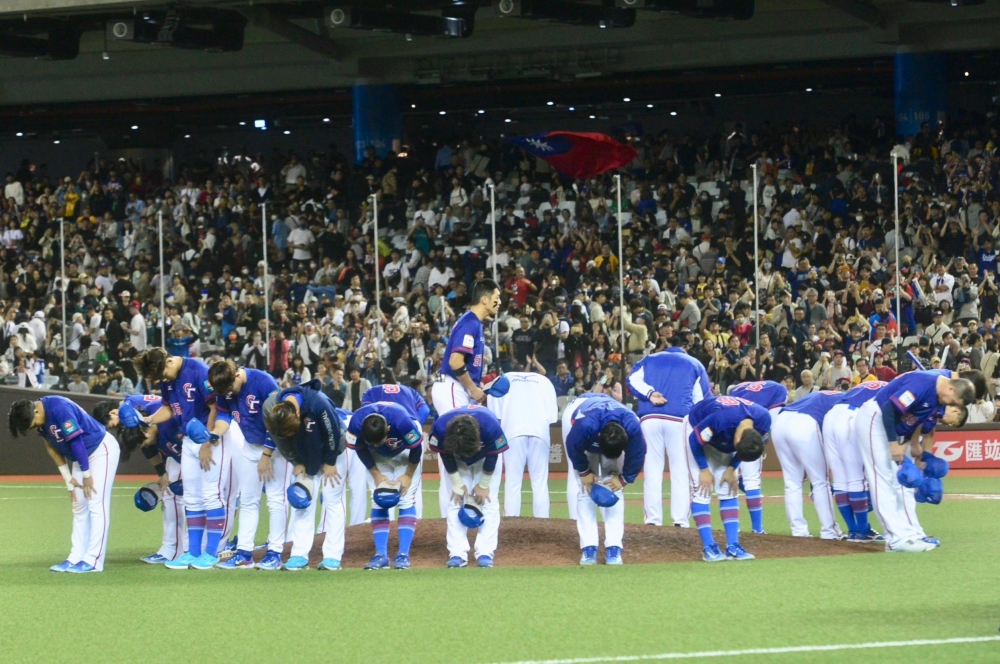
260	124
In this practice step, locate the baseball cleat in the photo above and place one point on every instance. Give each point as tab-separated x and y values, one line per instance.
402	561
456	561
712	554
589	555
759	532
81	568
870	536
329	564
205	561
485	561
737	552
155	559
613	556
61	567
911	546
378	561
270	562
933	540
262	547
239	560
183	562
296	563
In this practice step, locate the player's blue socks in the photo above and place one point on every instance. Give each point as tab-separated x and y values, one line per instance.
196	530
215	523
407	524
859	505
380	530
755	504
702	513
730	510
844	505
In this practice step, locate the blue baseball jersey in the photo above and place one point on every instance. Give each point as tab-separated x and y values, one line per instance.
862	394
407	397
815	404
466	338
766	393
147	404
345	417
490	433
404	434
169	438
714	422
70	430
585	428
914	396
681	379
245	407
190	394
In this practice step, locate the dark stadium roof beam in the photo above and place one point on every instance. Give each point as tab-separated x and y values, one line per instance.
265	18
863	11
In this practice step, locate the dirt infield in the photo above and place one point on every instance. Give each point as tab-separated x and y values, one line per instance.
554	542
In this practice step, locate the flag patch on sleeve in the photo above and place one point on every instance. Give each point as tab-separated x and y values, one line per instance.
468	341
412	437
69	426
906	398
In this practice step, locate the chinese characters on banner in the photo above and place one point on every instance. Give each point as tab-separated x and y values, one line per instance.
968	449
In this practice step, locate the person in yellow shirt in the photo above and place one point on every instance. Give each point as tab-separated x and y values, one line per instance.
606	261
862	373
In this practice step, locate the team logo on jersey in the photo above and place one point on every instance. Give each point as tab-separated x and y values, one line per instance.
706	434
309	424
69	426
412	437
501	441
468	341
189	391
393	443
54	432
906	398
252	403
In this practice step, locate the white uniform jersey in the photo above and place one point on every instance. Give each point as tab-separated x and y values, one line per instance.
528	408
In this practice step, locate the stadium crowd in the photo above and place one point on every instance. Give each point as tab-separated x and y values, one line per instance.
825	318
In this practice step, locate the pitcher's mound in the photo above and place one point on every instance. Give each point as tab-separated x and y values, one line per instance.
542	542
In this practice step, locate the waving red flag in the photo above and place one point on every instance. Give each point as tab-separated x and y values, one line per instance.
578	155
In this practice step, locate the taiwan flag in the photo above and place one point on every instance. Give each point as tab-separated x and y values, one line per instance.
578	155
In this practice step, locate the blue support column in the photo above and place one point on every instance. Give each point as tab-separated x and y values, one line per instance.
378	119
920	91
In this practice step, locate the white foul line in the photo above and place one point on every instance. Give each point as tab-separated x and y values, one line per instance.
763	651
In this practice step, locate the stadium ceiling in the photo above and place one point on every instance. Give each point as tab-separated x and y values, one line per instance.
260	47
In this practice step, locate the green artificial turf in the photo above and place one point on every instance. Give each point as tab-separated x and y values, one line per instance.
137	612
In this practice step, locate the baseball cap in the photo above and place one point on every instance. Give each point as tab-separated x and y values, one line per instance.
135	304
938	312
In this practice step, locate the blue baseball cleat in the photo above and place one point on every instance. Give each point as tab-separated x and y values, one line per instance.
81	568
455	562
183	562
932	540
329	564
484	561
205	561
378	561
230	546
613	556
270	562
737	552
239	560
155	559
589	555
402	561
712	554
61	567
262	547
296	563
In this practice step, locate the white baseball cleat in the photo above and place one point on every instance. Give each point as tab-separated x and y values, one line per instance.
911	546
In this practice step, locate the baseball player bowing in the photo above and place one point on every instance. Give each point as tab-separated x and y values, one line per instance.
725	431
387	439
469	442
161	445
899	412
606	451
667	385
258	465
773	396
87	458
307	431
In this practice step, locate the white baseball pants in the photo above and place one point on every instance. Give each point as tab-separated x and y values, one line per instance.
797	441
447	395
458	534
572	478
586	510
394	468
174	521
717	463
92	517
532	452
250	486
357	484
666	440
302	524
213	488
841	449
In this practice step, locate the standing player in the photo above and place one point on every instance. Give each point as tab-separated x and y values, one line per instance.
797	432
469	442
605	446
667	385
241	394
725	431
87	458
898	410
307	431
462	366
525	413
388	441
773	396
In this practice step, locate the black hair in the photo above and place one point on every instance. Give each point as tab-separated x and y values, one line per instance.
482	288
750	446
374	429
102	411
222	375
978	380
461	436
20	417
130	439
963	415
612	440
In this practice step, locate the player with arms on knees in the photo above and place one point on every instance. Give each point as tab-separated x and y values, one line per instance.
462	366
772	396
667	385
87	458
606	450
240	396
725	431
308	432
387	439
469	442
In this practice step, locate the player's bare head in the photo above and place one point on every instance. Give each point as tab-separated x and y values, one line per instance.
151	364
461	436
955	416
960	391
750	445
283	420
612	440
106	413
486	293
978	380
21	417
374	429
131	438
222	375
